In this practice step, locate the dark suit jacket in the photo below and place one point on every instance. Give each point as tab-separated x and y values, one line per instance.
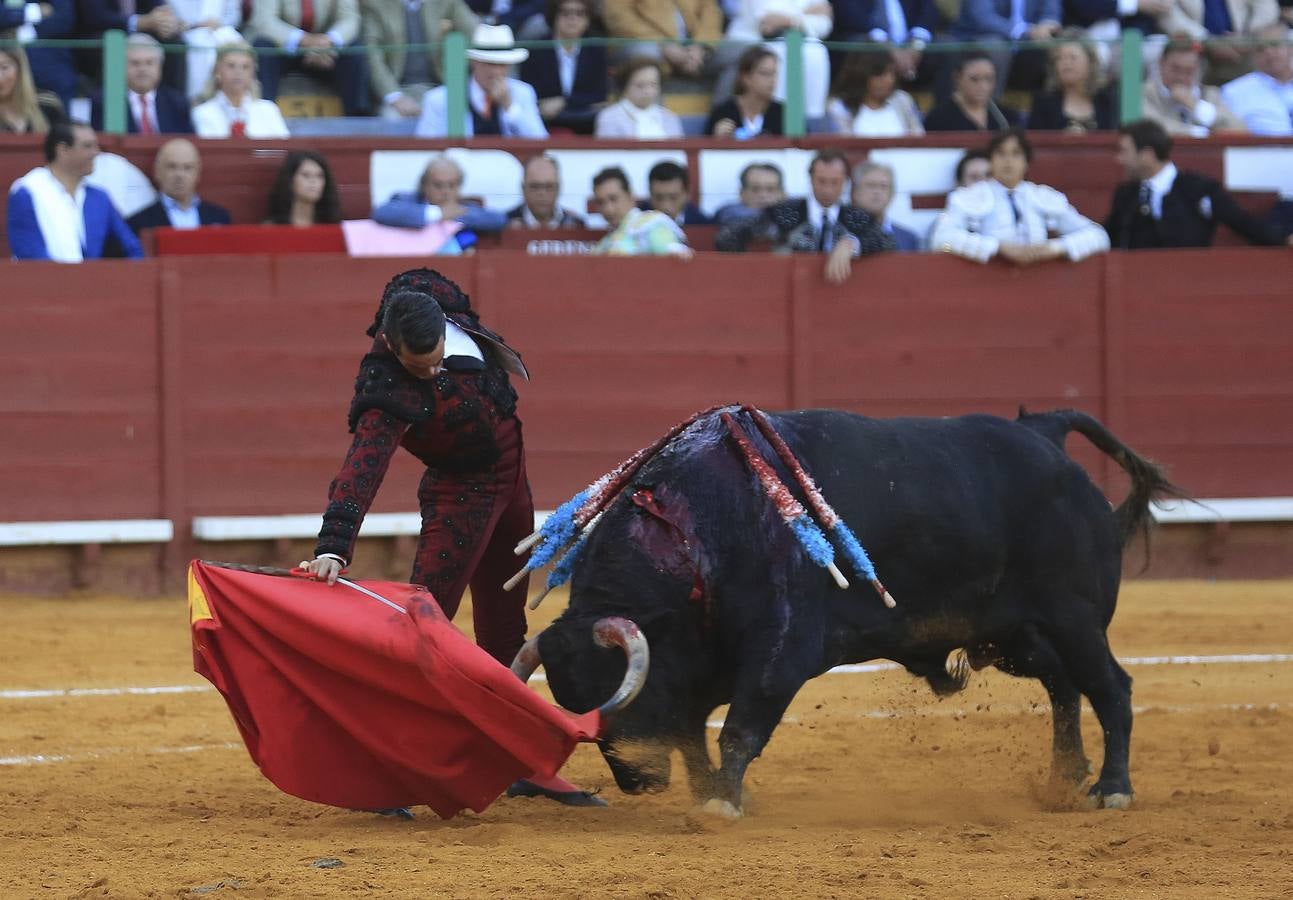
1047	113
174	114
589	86
691	214
568	219
859	17
94	17
1085	13
52	68
1187	220
155	216
786	225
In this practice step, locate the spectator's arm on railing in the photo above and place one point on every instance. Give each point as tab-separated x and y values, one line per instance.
1228	212
404	211
952	232
1078	235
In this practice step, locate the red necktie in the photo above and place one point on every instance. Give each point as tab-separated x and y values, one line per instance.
145	116
307	16
238	129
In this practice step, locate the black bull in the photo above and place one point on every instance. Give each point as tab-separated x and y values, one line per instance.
987	533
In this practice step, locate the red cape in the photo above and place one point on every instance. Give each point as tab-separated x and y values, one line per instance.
344	700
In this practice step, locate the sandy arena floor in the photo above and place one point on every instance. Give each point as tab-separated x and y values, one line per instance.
871	788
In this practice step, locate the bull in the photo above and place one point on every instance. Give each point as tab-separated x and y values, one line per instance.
993	540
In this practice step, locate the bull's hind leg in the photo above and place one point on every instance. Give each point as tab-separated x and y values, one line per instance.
1030	655
1092	669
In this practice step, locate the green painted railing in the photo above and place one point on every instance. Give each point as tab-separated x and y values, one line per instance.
1130	49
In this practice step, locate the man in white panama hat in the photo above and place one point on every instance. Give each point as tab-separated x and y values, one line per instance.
496	103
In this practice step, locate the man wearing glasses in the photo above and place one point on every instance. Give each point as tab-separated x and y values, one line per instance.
540	187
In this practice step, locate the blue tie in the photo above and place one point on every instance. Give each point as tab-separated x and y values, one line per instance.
1216	17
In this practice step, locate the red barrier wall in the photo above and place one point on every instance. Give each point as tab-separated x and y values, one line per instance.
219	385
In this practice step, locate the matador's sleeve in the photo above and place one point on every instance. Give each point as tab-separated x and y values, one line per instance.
377	437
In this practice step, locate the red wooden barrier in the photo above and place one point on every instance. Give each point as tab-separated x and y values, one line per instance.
219	385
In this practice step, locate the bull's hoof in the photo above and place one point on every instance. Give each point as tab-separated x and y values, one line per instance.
722	809
1099	799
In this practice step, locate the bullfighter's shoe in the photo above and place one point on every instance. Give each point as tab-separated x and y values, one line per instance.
554	788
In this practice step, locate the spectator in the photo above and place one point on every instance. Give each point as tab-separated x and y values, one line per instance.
638	113
304	192
1161	206
235	108
1105	20
867	102
972	168
1206	20
1263	99
750	111
872	193
154	17
314	33
22	109
176	170
403	42
1009	217
540	188
818	223
52	69
908	25
496	103
971	107
151	107
999	21
1177	99
767	21
569	79
53	214
633	231
437	198
204	26
761	187
669	186
660	26
1075	98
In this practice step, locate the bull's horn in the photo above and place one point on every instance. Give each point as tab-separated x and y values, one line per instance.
614	631
527	659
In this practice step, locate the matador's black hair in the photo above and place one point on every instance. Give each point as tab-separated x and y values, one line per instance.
423	281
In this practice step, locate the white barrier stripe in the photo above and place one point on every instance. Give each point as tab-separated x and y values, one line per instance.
105	692
850	669
91	755
1041	709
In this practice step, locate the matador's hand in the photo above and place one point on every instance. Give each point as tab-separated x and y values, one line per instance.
324	568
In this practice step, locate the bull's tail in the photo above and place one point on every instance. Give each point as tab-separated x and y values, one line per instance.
1148	480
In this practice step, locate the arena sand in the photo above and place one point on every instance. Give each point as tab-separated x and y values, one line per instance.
871	788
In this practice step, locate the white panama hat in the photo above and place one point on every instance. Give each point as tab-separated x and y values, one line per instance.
494	44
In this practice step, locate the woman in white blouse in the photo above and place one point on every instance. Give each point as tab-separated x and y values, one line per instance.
768	20
867	103
638	113
235	109
205	25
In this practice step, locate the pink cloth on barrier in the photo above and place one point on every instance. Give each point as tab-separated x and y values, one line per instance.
364	237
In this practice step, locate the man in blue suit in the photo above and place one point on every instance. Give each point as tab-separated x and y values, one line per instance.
151	107
670	186
53	214
53	69
176	171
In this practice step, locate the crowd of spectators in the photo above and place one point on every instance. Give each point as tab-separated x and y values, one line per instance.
384	58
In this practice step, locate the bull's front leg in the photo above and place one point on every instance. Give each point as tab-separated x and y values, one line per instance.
695	754
750	721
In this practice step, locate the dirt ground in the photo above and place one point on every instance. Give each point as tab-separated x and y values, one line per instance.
870	788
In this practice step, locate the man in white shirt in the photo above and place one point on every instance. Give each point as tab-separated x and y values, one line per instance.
496	103
1264	98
